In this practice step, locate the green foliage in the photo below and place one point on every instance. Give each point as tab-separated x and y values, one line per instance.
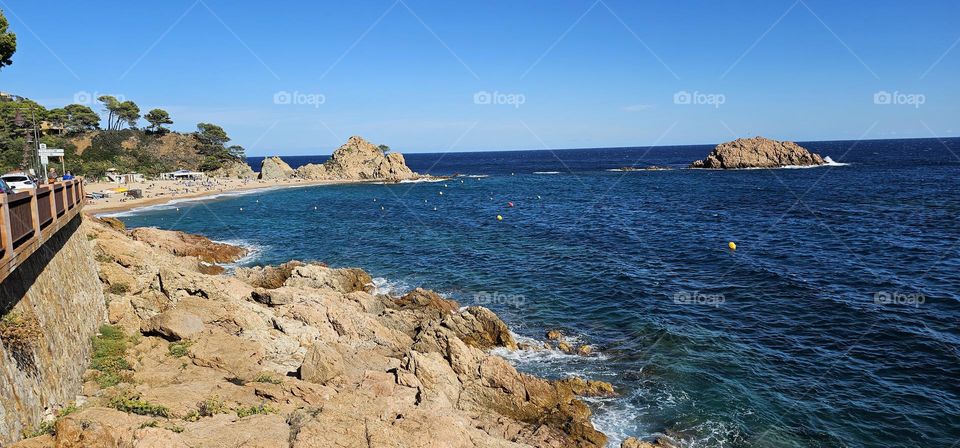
158	118
8	43
45	428
130	402
254	410
80	118
384	148
179	349
118	288
109	349
267	378
211	406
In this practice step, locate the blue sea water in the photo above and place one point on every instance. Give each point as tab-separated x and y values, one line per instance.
833	324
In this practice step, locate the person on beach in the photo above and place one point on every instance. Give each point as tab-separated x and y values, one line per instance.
68	176
51	175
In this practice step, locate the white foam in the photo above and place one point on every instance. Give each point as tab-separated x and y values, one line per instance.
830	162
382	286
476	176
253	252
546	172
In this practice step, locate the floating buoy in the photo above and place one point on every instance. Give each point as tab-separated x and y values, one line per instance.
499	218
381	207
441	193
241	209
374	199
509	204
538	196
461	181
434	209
314	207
732	245
446	186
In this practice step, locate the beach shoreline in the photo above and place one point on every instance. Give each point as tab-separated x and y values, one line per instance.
97	207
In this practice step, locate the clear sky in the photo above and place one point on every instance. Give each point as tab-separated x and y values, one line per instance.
287	77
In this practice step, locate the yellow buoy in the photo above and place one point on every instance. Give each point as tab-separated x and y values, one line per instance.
732	245
499	218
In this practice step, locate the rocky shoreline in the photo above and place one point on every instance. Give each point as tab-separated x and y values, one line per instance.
298	355
758	152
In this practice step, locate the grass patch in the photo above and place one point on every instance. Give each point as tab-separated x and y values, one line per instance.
118	288
254	410
267	378
131	403
50	427
211	406
179	349
104	258
109	348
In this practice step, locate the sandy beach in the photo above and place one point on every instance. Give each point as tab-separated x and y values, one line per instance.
162	191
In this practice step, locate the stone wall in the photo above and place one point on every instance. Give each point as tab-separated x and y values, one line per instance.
50	307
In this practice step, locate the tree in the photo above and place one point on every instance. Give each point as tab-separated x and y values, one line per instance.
8	43
111	106
81	118
237	152
119	112
384	148
128	112
158	118
212	135
58	117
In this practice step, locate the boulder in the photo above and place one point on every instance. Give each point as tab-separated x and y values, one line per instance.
345	280
234	170
269	277
311	171
174	325
359	159
758	152
188	245
322	363
481	328
275	168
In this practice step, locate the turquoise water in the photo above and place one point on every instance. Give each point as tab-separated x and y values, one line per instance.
833	324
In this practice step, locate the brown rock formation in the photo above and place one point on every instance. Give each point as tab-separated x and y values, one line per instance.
359	159
758	152
275	168
324	363
187	245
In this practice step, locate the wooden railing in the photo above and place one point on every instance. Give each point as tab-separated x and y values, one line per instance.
29	218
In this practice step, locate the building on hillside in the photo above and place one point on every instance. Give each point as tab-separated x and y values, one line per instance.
183	175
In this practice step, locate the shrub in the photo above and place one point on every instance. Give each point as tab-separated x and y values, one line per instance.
179	349
131	402
118	288
211	406
254	410
267	378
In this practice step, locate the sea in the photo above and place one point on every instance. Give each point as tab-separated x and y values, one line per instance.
834	323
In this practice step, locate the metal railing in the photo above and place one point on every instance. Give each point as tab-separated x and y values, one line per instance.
29	218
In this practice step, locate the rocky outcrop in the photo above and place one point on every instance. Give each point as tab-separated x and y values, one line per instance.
187	245
758	152
359	159
234	170
304	355
275	168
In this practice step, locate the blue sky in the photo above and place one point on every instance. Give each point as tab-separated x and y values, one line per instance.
300	77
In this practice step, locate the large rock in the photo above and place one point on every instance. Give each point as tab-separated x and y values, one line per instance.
312	171
175	324
275	168
758	152
187	245
234	170
359	159
322	363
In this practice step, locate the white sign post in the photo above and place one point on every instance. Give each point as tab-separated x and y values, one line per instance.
47	153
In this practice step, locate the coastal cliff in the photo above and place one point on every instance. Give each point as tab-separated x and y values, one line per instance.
758	152
51	307
300	355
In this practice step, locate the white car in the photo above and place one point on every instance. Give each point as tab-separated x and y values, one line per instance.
18	181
